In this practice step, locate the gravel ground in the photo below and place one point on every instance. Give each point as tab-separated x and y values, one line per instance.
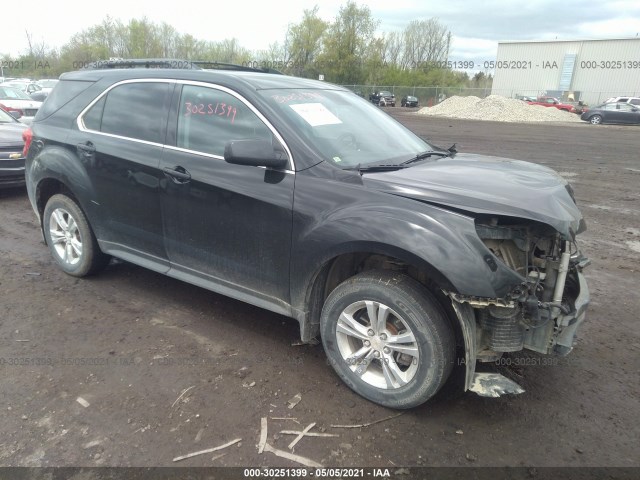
133	368
499	109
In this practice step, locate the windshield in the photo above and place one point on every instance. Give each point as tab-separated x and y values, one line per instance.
8	93
345	129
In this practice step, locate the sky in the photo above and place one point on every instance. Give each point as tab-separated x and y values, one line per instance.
476	26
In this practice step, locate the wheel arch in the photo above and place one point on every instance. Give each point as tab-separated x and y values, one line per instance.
57	169
365	256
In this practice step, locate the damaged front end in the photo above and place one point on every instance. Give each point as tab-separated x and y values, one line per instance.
542	313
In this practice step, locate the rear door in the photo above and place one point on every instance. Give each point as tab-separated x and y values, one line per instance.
120	140
227	227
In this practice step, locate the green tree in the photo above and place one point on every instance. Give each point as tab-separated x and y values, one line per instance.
346	44
304	44
143	39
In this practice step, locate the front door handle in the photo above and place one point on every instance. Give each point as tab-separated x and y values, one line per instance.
177	174
86	150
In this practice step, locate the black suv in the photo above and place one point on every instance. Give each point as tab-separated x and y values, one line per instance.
405	258
383	98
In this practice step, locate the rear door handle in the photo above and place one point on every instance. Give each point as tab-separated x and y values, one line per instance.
177	174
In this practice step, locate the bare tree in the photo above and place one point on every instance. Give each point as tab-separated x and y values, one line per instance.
426	42
393	48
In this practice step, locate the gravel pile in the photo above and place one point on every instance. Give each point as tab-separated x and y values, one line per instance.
498	109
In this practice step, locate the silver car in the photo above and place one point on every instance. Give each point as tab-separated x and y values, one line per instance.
26	86
14	100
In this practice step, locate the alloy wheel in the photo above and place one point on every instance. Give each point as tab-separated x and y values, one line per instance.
65	235
377	344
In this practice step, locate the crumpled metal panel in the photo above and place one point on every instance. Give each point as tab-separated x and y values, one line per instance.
494	385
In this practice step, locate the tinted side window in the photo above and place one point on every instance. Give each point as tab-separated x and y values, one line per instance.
635	101
137	110
210	118
93	118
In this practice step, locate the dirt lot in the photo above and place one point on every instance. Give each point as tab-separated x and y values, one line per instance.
130	341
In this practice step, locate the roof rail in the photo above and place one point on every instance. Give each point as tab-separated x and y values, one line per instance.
172	63
206	65
114	63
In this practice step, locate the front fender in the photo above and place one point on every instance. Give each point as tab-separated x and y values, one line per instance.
445	243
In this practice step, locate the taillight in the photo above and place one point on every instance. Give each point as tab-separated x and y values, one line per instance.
27	136
11	109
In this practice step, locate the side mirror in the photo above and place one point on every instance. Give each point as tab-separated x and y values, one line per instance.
254	152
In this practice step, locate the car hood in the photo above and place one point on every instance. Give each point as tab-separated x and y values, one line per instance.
11	133
487	185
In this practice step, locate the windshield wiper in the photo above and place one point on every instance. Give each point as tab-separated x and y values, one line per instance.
423	155
376	167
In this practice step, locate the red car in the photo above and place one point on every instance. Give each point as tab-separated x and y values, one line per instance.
553	102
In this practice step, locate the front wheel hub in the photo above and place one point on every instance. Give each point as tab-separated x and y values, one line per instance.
377	344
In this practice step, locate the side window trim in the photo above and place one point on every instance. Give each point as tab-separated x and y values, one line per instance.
169	131
80	120
173	134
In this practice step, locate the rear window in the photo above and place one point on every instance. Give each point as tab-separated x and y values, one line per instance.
12	93
62	93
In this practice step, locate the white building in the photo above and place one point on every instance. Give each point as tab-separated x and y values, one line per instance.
587	70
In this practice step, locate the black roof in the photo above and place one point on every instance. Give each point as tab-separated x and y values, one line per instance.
259	81
226	75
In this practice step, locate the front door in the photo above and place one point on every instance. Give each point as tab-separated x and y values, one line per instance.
227	227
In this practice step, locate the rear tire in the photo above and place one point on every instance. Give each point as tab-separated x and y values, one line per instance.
402	357
70	239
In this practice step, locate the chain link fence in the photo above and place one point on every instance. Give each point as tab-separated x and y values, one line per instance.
429	96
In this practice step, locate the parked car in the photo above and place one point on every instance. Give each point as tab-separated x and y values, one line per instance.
269	189
383	98
629	100
409	101
26	86
47	84
40	95
612	113
13	100
11	150
552	102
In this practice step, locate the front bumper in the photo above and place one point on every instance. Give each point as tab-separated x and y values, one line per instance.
12	173
557	336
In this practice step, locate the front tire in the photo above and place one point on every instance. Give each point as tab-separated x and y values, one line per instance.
387	338
70	239
595	120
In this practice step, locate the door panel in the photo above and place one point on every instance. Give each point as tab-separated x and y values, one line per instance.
120	145
226	226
